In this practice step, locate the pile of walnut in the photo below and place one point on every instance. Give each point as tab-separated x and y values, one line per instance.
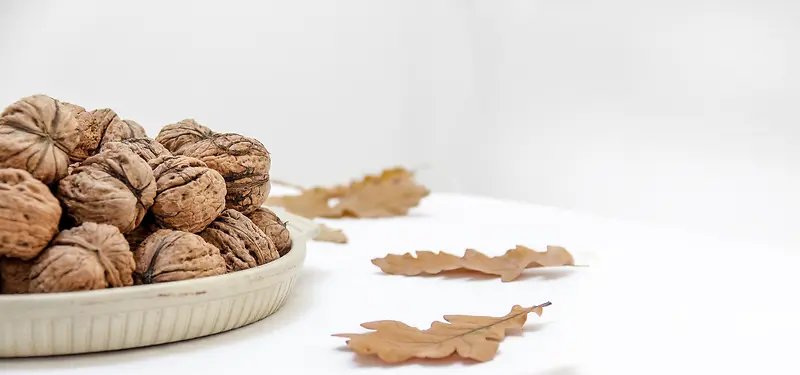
88	201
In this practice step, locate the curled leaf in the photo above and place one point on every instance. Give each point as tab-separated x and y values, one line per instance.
392	193
508	266
328	234
474	337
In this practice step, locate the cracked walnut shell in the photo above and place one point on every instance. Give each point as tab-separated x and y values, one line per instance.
240	242
244	163
91	256
266	220
171	255
113	187
29	214
38	134
189	194
175	136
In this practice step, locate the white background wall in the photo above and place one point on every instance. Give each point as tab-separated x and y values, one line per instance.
680	112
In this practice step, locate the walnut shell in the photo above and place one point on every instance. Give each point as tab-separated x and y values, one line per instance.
75	109
29	214
190	195
122	130
273	227
38	134
91	256
113	187
93	125
15	276
171	255
239	241
175	136
244	163
147	149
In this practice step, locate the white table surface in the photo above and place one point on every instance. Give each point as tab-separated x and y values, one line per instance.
652	301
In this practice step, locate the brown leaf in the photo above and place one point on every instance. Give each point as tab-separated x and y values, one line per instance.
392	193
474	337
328	234
508	266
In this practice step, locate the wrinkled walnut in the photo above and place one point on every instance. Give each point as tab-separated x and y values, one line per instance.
75	109
38	134
242	161
275	229
147	149
239	241
175	136
113	187
14	276
171	255
29	214
190	195
91	256
122	130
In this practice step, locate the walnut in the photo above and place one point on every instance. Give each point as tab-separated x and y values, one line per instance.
242	161
113	187
75	109
91	256
93	126
175	136
29	214
14	276
275	229
102	126
122	130
190	195
171	255
239	241
147	149
38	134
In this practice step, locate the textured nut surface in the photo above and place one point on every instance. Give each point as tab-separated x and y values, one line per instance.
175	136
266	220
38	134
171	255
147	149
29	214
239	241
244	163
113	187
93	126
122	130
91	256
14	276
190	195
74	108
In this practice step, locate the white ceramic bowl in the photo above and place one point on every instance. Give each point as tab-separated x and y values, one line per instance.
111	319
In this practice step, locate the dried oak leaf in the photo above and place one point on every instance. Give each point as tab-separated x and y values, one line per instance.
147	149
113	187
29	214
175	136
244	163
38	134
328	234
473	337
15	276
392	193
190	195
171	255
508	266
241	243
91	256
273	227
